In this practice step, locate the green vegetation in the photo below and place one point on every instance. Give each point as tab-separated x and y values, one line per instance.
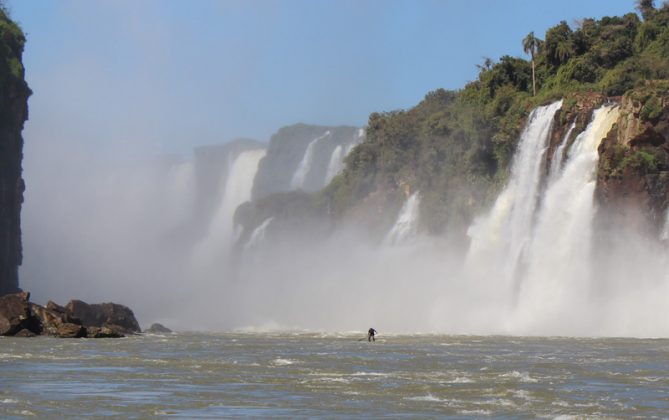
12	42
456	147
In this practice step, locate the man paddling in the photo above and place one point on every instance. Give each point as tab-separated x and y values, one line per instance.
370	334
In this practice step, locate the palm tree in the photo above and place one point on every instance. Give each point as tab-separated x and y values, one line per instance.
531	46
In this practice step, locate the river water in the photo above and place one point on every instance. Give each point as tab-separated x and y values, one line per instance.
333	375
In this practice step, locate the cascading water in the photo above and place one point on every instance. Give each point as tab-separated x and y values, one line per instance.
406	225
501	237
258	235
558	156
559	260
340	152
335	165
237	190
304	167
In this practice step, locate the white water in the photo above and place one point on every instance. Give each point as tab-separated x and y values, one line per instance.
406	225
258	235
340	152
336	164
559	258
501	237
237	190
304	167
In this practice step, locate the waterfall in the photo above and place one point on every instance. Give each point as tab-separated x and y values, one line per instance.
559	259
237	190
340	152
558	156
335	165
406	225
501	237
304	167
258	235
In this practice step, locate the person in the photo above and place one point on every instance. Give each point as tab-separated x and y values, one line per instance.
370	334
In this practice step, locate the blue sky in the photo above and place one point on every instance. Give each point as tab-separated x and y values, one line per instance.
125	77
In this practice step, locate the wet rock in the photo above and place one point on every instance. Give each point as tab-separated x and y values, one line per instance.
118	318
157	329
15	314
69	330
633	172
52	316
104	332
25	333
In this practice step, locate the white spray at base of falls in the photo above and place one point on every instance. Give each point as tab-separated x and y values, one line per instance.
501	237
237	190
303	168
406	225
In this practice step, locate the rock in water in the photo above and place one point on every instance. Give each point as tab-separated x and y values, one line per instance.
157	329
104	332
117	317
25	333
15	314
68	330
52	317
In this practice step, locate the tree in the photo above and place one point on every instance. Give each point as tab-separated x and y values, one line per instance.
646	7
532	46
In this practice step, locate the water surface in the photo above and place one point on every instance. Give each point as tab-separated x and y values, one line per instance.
288	375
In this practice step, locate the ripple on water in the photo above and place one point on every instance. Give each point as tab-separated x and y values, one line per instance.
284	362
522	376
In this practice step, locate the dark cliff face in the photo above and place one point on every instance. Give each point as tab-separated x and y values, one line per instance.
14	93
633	173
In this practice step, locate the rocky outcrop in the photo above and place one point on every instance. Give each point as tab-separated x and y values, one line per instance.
16	315
633	173
157	329
117	317
14	93
19	317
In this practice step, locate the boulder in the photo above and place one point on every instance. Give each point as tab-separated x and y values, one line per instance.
104	332
52	317
25	333
15	314
69	330
157	329
117	317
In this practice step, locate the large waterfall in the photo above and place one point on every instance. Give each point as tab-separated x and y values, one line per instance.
237	190
501	237
559	258
536	242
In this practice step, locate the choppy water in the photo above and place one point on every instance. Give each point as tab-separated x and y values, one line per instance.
300	375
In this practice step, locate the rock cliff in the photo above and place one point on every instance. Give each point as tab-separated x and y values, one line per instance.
633	174
299	158
14	93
